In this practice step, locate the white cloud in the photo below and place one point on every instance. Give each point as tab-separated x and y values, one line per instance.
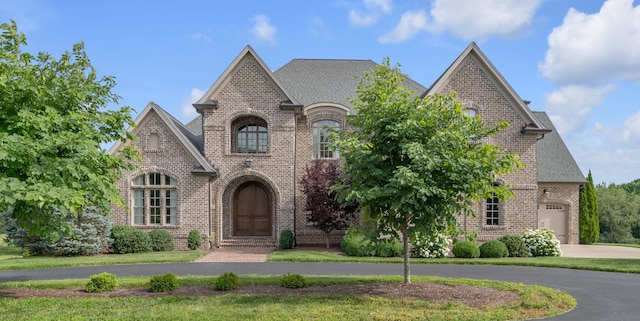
570	106
263	30
481	19
318	28
362	20
374	9
411	23
188	111
595	48
383	5
631	131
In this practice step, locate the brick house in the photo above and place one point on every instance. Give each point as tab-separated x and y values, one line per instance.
233	172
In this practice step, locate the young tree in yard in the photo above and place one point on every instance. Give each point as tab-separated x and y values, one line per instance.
415	163
324	212
53	118
589	213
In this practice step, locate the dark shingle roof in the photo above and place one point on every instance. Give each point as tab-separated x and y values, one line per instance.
328	80
555	163
194	128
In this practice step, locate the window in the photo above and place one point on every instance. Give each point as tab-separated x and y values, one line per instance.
250	136
321	140
471	112
154	199
153	141
493	213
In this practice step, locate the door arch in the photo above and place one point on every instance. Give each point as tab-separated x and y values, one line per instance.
252	210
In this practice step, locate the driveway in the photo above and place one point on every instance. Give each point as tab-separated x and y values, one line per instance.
600	251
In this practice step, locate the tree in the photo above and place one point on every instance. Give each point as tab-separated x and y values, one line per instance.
53	120
416	163
589	213
619	213
324	211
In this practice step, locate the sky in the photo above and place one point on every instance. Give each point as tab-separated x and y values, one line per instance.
577	60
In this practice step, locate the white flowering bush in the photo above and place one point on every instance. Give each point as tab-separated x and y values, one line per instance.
430	246
541	242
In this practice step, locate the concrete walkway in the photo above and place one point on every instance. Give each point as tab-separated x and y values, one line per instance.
237	255
600	251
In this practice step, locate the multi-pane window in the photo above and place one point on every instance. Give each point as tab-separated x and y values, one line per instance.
493	213
321	139
252	139
154	199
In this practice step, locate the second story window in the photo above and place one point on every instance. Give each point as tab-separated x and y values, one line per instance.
250	135
321	139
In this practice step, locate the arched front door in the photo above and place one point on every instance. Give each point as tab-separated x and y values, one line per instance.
252	210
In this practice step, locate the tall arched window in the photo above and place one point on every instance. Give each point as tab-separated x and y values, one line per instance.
154	199
250	135
321	139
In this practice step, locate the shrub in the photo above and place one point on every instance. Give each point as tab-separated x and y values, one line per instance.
161	240
227	281
103	282
541	242
286	239
293	281
466	249
493	249
128	239
163	283
355	243
430	246
515	244
194	240
388	248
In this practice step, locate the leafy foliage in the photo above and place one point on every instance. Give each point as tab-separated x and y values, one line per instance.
515	245
103	282
128	239
589	213
414	163
286	239
293	281
90	234
194	240
54	116
493	249
541	242
163	283
466	249
227	281
355	243
161	240
619	214
324	212
388	248
436	245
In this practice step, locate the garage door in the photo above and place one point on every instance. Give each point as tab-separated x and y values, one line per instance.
554	217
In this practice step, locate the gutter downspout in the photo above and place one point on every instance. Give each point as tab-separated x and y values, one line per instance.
295	166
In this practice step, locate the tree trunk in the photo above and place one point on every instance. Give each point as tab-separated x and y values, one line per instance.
326	238
405	242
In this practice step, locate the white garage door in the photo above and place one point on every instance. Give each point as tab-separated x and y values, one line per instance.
554	217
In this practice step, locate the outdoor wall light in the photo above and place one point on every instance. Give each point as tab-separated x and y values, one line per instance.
247	162
545	193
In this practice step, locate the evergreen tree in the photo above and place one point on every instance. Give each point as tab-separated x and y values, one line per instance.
589	213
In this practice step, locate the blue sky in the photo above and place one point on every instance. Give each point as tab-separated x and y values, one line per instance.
578	60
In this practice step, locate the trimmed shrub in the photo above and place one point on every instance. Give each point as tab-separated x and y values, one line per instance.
128	239
194	240
286	239
388	248
161	240
515	244
466	249
227	281
541	242
293	281
355	243
430	246
163	283
493	249
103	282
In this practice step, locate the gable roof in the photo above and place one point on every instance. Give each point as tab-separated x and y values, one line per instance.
328	80
191	142
473	50
555	162
205	100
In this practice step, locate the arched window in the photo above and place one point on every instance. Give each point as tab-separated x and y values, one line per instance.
471	112
250	136
321	139
154	199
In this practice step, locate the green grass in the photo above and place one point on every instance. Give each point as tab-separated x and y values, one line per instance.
534	302
593	264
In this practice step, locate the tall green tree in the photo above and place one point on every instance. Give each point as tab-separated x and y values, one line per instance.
619	213
54	117
589	213
414	163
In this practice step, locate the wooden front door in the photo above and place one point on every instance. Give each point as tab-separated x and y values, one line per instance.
252	210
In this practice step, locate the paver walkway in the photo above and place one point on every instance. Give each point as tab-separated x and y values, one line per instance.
237	254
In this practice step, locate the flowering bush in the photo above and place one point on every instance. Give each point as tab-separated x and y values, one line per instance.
541	242
430	246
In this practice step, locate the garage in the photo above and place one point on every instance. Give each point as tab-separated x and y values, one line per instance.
554	217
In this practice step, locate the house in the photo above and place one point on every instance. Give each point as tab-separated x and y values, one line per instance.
233	173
